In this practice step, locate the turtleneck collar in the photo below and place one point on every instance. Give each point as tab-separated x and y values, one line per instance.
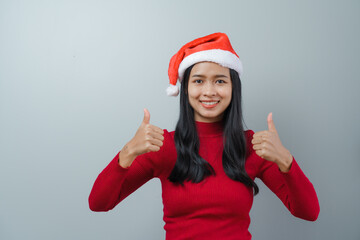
205	129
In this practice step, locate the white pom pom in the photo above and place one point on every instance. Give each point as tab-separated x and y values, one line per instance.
172	90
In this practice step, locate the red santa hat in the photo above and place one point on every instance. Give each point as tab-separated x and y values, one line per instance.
215	48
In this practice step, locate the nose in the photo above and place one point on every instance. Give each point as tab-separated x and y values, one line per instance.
209	89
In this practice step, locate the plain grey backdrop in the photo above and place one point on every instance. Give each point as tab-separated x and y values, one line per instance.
76	75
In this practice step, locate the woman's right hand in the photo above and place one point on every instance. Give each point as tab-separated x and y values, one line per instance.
148	138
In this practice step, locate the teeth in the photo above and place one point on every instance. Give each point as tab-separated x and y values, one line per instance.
210	103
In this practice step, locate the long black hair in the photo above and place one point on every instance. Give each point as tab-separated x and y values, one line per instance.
190	166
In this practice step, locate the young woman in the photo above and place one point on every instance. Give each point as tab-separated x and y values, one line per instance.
207	166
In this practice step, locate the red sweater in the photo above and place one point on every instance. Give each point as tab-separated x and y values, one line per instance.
217	207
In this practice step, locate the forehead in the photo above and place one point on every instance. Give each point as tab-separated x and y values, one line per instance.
209	68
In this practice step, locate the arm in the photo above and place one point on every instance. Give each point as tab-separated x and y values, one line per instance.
293	188
126	173
115	183
281	173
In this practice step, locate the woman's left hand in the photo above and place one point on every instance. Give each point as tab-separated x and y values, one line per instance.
268	146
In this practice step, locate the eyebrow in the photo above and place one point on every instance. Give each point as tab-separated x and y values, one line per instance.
217	76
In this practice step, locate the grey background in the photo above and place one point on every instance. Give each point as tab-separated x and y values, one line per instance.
76	75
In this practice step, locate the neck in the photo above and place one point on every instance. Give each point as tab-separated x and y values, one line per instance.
209	129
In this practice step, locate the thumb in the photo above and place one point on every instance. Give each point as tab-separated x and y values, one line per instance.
146	116
271	124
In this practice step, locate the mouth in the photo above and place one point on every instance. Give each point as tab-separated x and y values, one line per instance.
209	104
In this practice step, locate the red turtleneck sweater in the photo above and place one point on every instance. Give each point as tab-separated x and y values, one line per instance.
217	207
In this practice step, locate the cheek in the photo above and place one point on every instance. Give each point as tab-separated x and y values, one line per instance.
226	93
192	98
193	93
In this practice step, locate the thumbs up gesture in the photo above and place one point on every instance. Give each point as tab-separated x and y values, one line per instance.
268	146
148	138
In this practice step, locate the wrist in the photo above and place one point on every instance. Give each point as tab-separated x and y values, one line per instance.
129	149
285	161
126	156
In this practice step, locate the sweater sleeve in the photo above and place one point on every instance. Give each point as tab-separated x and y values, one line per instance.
115	183
293	188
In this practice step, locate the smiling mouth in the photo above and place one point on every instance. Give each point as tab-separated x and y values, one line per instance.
208	104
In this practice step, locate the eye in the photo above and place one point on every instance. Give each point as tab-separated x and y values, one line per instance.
198	81
220	81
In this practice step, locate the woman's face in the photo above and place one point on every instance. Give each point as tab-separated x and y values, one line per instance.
209	91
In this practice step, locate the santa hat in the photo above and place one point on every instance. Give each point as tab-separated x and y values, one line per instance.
215	48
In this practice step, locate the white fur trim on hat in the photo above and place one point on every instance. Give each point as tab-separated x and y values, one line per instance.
172	90
219	56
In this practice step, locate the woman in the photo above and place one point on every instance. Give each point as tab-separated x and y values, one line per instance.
207	166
